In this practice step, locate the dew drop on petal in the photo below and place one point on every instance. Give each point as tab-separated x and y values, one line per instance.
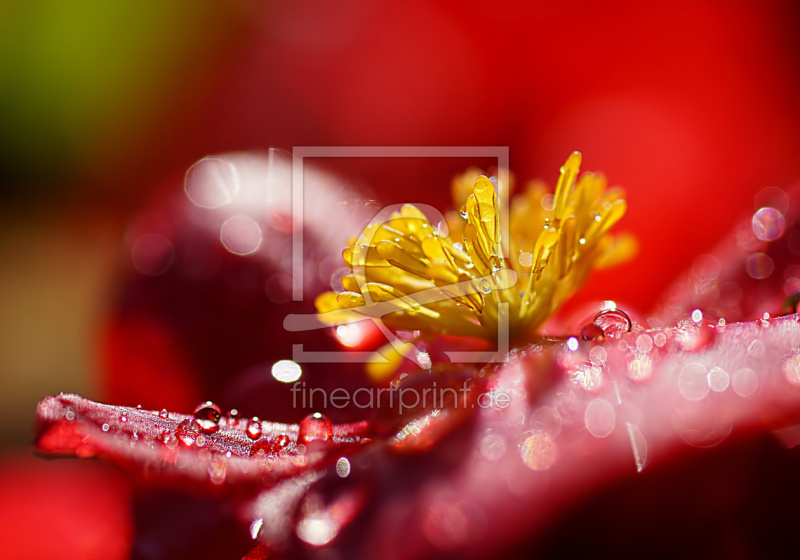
600	418
233	417
692	338
591	332
315	427
613	322
253	429
170	440
207	416
187	432
163	414
768	224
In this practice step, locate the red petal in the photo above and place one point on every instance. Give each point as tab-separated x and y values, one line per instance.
175	447
510	472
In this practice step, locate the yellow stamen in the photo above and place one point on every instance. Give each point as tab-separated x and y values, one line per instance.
414	279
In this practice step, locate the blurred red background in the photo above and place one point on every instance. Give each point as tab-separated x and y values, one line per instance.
690	106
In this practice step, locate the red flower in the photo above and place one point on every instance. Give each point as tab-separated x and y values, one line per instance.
506	457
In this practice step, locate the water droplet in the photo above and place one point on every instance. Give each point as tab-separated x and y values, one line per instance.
484	286
170	440
233	417
105	427
613	322
763	322
123	418
69	414
497	262
591	332
546	223
164	413
694	338
314	427
463	211
697	315
187	432
269	447
253	429
768	224
207	416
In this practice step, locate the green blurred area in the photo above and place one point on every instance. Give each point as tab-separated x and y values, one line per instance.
94	97
86	84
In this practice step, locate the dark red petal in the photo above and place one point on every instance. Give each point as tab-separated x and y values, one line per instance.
624	410
176	447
